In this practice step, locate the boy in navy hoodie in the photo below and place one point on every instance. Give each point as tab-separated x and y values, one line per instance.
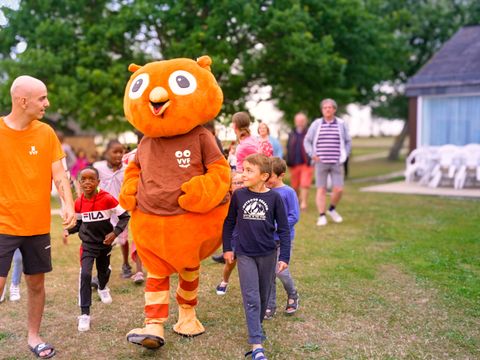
94	209
254	211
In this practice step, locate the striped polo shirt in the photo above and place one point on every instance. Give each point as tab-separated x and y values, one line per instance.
328	142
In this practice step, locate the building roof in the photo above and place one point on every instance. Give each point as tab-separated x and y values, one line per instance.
454	69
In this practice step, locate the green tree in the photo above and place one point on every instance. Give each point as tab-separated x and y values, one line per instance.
305	50
80	49
319	49
420	27
223	29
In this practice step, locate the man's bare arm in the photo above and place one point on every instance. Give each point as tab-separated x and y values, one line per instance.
63	187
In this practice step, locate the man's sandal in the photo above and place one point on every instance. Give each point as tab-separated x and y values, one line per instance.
257	354
41	348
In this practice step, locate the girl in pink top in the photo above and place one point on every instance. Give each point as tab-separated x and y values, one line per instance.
264	139
81	163
247	144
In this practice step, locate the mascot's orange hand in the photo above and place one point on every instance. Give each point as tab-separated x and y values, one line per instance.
128	192
204	192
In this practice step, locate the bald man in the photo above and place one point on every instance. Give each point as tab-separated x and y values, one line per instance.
30	154
299	163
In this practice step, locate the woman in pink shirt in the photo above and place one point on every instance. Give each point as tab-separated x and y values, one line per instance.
264	139
80	164
247	144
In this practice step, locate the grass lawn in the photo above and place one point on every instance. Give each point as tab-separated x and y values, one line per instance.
384	142
398	279
374	167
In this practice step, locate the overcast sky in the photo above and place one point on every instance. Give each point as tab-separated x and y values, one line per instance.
8	3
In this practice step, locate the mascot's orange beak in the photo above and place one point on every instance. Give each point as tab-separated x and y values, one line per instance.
159	101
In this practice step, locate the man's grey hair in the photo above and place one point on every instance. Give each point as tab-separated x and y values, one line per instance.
331	101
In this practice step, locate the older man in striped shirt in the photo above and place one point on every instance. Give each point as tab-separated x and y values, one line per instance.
328	143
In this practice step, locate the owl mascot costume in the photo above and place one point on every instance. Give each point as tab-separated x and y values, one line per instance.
176	188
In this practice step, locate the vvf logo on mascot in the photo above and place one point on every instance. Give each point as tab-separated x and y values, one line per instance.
176	187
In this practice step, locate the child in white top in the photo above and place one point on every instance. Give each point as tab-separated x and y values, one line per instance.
111	172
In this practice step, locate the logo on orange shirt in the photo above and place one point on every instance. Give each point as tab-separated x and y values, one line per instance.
33	151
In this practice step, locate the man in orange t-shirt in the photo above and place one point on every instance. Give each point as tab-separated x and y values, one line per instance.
30	156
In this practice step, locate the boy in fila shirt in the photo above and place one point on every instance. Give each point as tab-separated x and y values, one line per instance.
94	209
254	211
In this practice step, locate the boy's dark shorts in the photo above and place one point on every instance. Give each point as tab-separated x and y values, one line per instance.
35	251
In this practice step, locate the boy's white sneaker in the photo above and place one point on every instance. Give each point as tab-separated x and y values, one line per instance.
105	295
222	288
335	216
2	295
14	292
84	322
322	220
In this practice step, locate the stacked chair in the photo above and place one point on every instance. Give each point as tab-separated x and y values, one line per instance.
469	171
447	165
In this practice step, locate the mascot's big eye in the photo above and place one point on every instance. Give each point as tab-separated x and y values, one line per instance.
138	86
182	82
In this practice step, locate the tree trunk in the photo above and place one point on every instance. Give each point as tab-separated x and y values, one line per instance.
398	143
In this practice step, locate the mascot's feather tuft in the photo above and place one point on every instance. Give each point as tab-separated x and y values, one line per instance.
133	67
205	62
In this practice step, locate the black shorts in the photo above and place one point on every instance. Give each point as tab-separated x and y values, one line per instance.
35	251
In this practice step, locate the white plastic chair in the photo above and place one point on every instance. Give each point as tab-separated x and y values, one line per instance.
420	163
448	163
469	170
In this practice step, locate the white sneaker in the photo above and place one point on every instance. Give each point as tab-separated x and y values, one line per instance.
2	296
14	292
105	295
335	216
84	322
222	288
322	220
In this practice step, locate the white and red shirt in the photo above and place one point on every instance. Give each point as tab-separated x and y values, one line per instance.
110	180
93	219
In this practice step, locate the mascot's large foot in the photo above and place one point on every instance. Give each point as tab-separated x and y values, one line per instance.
188	324
151	336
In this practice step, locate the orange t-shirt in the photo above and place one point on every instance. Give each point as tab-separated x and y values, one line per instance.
26	159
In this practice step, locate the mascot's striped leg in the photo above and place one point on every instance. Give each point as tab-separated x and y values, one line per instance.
188	324
156	299
156	313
